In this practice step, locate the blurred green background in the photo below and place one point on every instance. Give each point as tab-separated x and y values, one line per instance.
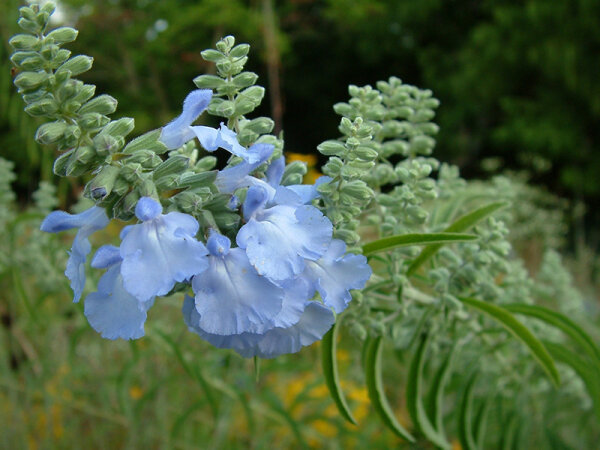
519	83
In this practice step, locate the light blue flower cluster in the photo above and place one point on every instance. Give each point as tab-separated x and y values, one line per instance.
258	298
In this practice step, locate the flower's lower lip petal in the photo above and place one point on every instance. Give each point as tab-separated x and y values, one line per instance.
232	298
112	311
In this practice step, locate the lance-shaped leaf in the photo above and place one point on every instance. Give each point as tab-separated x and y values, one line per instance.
465	417
561	322
518	330
330	372
587	372
461	225
436	393
414	397
404	240
372	360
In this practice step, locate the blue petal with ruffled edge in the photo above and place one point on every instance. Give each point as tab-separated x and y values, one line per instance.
232	178
160	251
212	139
314	322
88	222
335	273
112	311
178	132
277	240
231	297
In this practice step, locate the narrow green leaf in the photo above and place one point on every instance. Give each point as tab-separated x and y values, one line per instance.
518	330
413	397
463	224
436	394
375	388
588	373
465	421
559	321
330	372
404	240
480	423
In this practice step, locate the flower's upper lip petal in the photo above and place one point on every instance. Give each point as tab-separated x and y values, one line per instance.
178	132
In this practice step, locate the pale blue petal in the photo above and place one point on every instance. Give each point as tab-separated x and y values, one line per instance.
308	192
88	221
91	219
313	324
256	198
275	171
106	256
279	239
335	274
178	132
232	298
147	209
208	137
160	252
232	178
112	311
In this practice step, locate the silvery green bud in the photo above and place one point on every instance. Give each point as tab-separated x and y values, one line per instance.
209	81
260	125
79	162
242	106
194	180
147	188
224	108
76	65
44	107
239	51
358	331
121	187
130	201
60	164
255	94
173	165
147	141
343	109
121	127
294	169
50	132
93	121
62	35
33	63
225	44
365	153
48	8
106	144
350	237
244	79
206	163
333	167
212	55
27	13
103	104
188	202
147	158
132	172
29	25
331	147
30	80
357	189
103	183
422	145
25	42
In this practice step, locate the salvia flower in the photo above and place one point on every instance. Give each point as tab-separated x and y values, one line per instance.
88	222
160	251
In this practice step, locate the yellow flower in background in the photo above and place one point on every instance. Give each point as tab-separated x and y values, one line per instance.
311	161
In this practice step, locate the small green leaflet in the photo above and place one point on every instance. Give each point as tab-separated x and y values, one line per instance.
465	417
405	240
330	372
460	226
518	330
375	388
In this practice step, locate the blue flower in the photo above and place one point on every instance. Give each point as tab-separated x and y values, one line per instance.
335	273
212	139
278	239
178	132
160	251
232	178
112	311
88	222
231	297
313	323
